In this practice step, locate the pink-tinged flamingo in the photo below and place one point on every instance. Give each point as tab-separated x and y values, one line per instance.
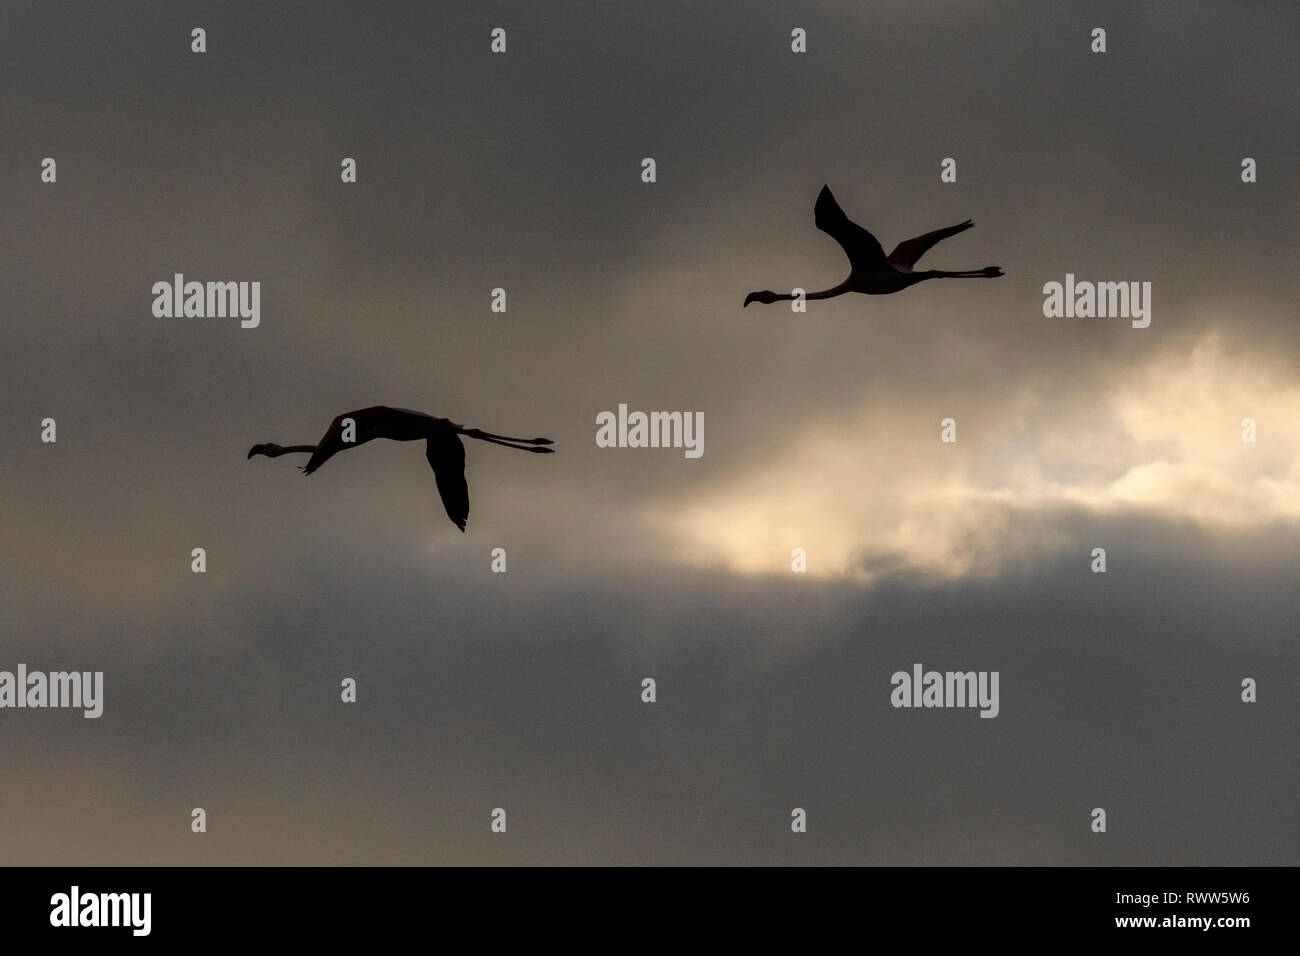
871	271
443	448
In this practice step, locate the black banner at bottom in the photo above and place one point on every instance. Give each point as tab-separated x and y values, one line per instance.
616	906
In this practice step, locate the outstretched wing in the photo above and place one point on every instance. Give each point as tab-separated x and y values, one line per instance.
378	421
446	456
908	251
862	248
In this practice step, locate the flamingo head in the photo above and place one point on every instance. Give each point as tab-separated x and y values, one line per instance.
767	297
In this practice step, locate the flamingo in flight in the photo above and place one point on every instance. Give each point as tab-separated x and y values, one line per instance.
871	271
442	447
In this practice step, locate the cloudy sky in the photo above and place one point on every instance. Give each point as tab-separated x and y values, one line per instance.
522	690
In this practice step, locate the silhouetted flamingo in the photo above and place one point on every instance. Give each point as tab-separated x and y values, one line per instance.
443	448
871	271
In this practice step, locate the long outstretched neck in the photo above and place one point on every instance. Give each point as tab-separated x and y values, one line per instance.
826	293
767	297
275	451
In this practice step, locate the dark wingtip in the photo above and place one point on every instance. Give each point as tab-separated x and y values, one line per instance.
542	441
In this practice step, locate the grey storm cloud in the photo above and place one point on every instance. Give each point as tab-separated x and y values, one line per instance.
522	690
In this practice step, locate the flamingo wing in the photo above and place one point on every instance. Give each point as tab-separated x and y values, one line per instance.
378	421
908	251
446	456
862	248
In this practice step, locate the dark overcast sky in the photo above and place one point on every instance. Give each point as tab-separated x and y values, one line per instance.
822	431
